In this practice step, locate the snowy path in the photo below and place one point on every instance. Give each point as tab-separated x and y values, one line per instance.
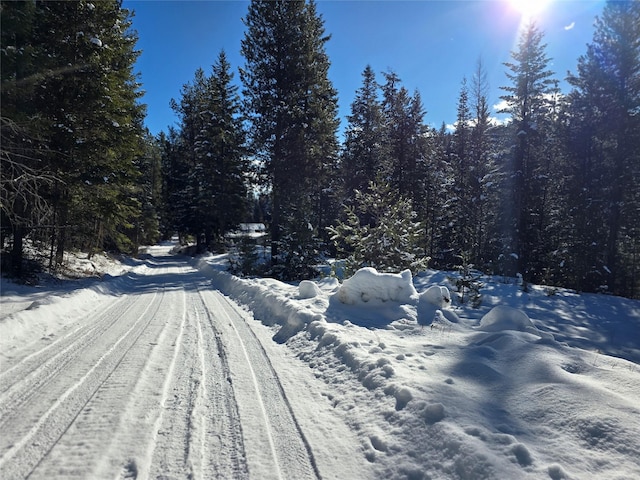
165	380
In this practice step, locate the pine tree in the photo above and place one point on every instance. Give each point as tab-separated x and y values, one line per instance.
528	103
26	178
89	100
72	64
220	156
388	240
404	135
364	147
149	193
437	190
176	187
292	109
604	145
460	204
185	167
483	172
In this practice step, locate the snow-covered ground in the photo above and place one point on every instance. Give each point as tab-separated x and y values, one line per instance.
384	375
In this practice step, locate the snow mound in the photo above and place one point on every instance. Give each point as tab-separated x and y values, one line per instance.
368	286
507	318
308	289
437	296
434	303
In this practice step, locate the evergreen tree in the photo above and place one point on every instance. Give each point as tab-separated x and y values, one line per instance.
185	166
176	188
460	204
483	173
604	146
89	100
389	239
436	184
220	156
364	147
149	193
26	178
70	73
292	109
404	136
528	104
205	162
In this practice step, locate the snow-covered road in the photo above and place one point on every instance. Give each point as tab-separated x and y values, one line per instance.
173	368
163	379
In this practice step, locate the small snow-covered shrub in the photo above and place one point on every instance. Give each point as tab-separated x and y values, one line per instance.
244	258
369	286
468	283
380	231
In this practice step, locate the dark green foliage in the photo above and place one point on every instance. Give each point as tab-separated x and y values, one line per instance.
525	168
292	107
404	137
380	231
603	170
206	166
468	282
245	258
68	87
364	153
149	193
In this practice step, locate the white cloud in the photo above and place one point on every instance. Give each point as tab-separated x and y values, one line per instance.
501	105
494	121
570	26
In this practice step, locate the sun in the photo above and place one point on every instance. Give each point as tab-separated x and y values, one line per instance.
529	8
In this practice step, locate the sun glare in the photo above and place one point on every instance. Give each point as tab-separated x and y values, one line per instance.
529	8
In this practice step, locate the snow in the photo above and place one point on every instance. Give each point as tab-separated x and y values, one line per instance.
390	369
368	286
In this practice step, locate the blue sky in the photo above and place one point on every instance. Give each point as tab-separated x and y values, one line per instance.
431	45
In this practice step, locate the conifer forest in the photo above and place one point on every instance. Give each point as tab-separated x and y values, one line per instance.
552	196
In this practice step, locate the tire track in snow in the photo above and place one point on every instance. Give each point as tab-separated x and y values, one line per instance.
220	428
168	434
134	439
291	453
104	424
31	432
198	430
41	366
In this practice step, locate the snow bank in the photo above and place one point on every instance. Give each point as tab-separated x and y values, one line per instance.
267	299
489	398
368	286
22	321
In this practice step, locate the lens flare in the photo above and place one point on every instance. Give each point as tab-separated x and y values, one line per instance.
529	8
